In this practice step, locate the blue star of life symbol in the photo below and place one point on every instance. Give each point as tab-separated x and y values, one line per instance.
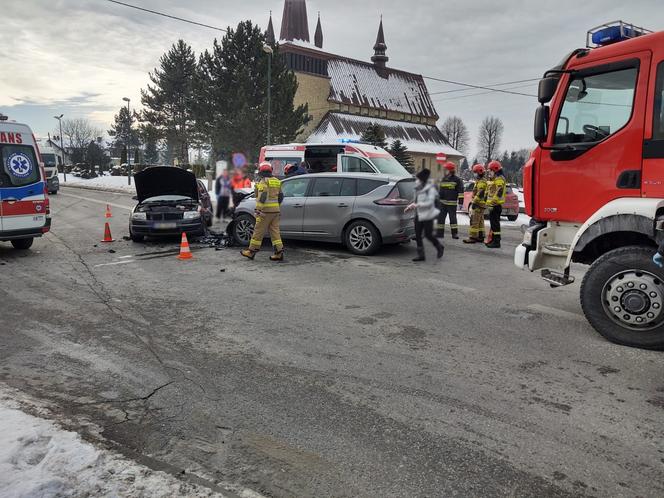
19	165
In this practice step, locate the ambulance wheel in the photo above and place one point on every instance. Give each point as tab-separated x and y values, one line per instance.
622	296
22	244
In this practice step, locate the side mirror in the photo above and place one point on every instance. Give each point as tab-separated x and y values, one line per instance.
547	87
541	122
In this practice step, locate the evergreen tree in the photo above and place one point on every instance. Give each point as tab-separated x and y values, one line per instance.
169	100
150	137
120	130
232	95
400	152
374	135
95	156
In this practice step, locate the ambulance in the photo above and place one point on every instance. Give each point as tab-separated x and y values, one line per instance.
24	205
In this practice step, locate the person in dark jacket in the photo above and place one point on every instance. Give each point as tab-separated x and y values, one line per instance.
450	191
426	212
223	191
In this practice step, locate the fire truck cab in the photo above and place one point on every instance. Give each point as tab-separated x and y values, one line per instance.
594	185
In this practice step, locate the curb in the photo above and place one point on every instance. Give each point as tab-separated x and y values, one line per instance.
98	189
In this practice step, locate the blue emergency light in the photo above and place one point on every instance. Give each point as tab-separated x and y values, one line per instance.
348	141
614	32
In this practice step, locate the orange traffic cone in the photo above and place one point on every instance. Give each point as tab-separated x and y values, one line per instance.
185	252
107	234
108	212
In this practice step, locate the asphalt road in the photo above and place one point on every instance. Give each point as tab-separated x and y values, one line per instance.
329	375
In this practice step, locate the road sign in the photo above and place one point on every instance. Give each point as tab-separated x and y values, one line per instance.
441	158
239	160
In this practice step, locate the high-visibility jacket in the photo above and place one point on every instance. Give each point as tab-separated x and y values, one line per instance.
479	193
239	181
268	195
496	191
450	191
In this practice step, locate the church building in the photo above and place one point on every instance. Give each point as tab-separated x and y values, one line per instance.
346	95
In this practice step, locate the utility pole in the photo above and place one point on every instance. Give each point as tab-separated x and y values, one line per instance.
128	100
268	50
62	148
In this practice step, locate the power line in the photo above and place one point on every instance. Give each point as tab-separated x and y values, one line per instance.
477	94
478	87
488	86
167	15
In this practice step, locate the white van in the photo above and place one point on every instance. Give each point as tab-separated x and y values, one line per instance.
52	162
24	206
339	157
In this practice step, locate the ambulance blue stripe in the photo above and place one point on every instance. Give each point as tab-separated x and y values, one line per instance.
20	193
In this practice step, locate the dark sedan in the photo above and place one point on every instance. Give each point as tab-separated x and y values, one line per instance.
170	202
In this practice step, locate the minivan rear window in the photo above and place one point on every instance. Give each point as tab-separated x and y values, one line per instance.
366	186
406	189
19	166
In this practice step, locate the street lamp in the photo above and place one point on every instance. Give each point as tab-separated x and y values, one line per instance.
127	100
268	50
62	148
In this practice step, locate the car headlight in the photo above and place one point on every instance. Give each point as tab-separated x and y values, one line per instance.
191	215
139	216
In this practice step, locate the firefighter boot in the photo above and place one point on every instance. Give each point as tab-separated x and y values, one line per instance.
277	256
440	232
249	253
471	240
495	242
455	233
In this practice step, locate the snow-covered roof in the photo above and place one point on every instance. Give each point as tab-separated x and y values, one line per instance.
421	138
363	84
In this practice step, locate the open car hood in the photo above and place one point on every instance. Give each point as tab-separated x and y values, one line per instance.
165	180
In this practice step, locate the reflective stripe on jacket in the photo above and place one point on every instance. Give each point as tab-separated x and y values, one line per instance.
450	190
268	193
479	192
496	191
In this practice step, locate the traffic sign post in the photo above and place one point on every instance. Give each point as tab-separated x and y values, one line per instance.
441	158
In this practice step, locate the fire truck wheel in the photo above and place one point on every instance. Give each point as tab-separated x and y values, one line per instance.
622	296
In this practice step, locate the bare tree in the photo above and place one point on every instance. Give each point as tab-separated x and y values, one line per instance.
79	133
489	138
456	133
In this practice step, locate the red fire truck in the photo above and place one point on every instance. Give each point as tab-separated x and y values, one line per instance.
594	186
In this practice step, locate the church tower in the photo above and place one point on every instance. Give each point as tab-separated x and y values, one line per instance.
294	23
318	37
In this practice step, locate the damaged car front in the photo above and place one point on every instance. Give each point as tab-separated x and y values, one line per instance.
168	205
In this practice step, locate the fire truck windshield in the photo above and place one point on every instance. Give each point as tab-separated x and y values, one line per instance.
596	106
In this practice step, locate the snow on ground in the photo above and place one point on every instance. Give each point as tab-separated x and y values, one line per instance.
113	183
39	459
464	220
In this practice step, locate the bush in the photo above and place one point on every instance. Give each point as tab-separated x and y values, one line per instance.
198	170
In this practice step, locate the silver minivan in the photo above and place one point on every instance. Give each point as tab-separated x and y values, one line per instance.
361	211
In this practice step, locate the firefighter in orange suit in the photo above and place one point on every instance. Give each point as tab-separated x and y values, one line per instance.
496	193
268	208
477	207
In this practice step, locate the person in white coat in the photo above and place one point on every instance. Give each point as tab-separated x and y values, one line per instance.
426	212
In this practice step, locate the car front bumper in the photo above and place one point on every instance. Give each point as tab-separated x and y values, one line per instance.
164	229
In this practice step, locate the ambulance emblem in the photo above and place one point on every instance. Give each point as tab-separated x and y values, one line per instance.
19	165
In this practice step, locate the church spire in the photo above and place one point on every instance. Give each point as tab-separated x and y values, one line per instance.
294	24
379	58
269	34
318	37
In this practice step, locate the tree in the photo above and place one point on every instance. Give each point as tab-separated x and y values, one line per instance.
400	152
456	133
231	92
169	100
95	156
78	134
150	137
489	138
374	135
120	130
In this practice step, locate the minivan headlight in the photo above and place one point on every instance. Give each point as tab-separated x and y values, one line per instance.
191	215
139	216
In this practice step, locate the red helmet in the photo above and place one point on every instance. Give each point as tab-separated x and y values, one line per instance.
479	169
495	166
289	167
450	166
265	167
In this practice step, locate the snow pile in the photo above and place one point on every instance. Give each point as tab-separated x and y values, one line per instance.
39	459
118	183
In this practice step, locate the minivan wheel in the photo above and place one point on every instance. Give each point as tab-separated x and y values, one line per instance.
243	229
362	238
22	244
512	217
622	295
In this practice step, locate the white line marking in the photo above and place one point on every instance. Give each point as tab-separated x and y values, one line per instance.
126	257
556	312
90	199
114	264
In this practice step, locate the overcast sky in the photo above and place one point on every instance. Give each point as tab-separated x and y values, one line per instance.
80	57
